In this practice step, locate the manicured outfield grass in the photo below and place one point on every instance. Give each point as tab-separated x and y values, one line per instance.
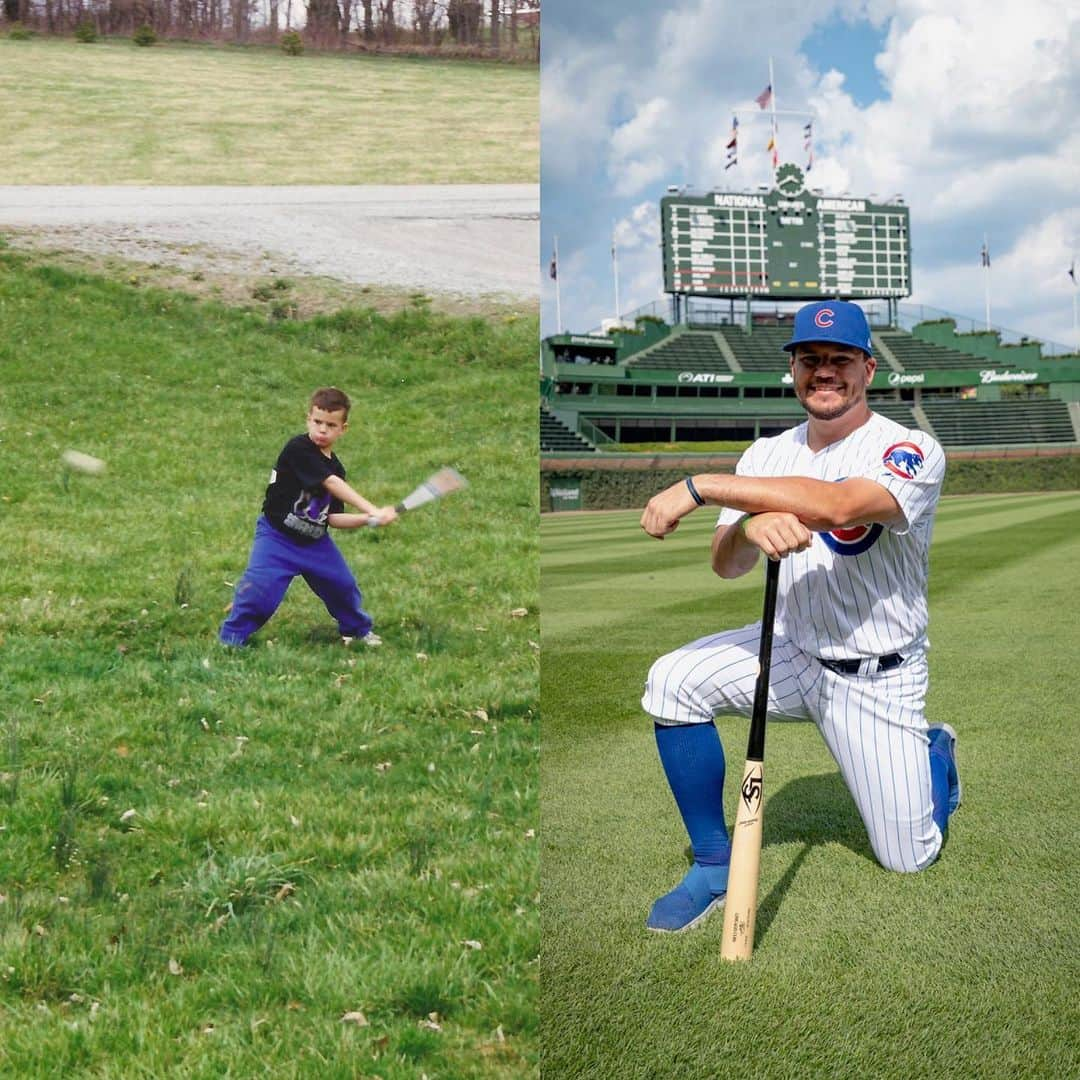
112	113
208	858
966	970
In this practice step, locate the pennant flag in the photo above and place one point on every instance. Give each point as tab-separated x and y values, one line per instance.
985	255
808	144
810	161
733	145
764	97
1072	272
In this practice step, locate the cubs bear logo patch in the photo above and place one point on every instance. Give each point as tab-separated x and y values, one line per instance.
903	459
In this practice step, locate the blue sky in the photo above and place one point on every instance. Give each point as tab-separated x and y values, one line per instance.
968	110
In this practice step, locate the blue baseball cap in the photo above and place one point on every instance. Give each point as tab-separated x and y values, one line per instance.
835	321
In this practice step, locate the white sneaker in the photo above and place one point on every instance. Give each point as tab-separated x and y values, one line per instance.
370	639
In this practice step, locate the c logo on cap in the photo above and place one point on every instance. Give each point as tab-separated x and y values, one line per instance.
824	317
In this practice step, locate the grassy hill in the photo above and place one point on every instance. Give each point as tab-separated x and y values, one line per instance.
294	859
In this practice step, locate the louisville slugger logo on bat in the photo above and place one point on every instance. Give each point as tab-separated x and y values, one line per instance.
752	788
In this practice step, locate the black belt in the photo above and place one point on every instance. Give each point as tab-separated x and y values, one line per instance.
870	666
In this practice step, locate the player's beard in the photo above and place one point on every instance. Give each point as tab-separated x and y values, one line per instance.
832	412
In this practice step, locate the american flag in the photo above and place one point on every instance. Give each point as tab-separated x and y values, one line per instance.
764	97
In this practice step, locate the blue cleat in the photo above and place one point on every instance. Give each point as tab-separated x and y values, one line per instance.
943	742
701	892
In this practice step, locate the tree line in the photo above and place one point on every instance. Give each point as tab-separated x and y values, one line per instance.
497	26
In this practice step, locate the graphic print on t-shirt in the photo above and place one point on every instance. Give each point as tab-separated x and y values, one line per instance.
309	513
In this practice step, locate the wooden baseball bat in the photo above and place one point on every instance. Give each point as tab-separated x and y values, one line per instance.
740	906
444	482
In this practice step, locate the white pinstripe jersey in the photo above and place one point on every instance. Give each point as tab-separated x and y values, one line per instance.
857	592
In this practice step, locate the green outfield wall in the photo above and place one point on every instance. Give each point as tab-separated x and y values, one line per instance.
629	481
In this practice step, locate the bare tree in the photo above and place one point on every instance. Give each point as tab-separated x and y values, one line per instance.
494	19
464	18
424	12
322	21
387	26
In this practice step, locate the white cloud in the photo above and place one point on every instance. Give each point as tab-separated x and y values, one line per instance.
978	131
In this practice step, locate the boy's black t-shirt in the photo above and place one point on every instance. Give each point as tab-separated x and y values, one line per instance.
296	503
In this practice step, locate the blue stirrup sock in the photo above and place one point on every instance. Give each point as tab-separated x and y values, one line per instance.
693	760
939	786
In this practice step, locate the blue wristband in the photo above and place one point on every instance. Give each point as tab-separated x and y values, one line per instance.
694	491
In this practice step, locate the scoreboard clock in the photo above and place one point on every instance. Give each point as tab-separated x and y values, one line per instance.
787	243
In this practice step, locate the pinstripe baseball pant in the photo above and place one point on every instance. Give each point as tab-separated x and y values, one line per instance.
874	726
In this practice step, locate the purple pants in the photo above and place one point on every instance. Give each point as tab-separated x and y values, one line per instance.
275	561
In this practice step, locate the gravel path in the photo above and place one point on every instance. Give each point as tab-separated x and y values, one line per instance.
471	240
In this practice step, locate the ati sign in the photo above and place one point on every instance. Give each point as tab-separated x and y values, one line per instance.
704	377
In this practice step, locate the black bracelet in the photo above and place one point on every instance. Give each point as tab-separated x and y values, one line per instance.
694	491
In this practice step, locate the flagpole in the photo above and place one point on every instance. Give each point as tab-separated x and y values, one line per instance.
986	277
772	102
615	273
555	275
1076	288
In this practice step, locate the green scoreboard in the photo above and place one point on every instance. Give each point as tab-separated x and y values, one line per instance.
787	243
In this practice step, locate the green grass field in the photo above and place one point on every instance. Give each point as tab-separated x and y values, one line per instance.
966	970
112	113
208	858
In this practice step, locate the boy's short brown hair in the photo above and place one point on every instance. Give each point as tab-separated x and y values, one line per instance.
330	399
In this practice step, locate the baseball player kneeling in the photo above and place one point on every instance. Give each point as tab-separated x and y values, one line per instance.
847	501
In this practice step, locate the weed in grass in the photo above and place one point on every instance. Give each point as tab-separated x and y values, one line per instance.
98	875
283	310
420	849
9	778
185	586
235	883
64	846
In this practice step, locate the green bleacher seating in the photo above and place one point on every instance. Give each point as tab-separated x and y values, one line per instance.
900	411
693	350
988	423
762	350
557	438
917	355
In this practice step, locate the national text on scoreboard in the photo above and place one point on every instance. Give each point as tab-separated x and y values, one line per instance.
787	243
